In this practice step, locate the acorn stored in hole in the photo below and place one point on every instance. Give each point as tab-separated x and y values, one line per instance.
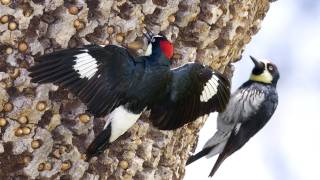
124	164
4	19
35	144
22	46
9	50
65	165
26	130
41	106
172	18
26	160
3	122
73	10
5	2
41	167
84	118
23	120
18	132
119	38
110	30
48	166
8	107
14	73
78	24
12	26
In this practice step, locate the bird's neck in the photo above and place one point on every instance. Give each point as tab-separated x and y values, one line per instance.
158	58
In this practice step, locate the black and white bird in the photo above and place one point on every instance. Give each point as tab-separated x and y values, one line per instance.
113	82
248	110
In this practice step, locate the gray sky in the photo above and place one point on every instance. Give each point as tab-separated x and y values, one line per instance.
288	147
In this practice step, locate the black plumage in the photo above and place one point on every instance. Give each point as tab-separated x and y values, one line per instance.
111	81
248	110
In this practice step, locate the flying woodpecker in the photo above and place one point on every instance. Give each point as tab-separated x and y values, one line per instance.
114	83
248	110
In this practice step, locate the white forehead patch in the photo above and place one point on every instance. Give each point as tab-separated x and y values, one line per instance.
149	50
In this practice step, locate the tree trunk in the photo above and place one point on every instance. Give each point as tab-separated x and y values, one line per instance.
45	130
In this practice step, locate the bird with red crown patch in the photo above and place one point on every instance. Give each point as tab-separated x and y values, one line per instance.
114	83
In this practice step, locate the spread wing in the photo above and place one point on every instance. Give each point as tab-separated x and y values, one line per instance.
195	90
98	75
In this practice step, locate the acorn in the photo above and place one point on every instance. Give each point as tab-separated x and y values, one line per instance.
8	82
22	46
73	10
18	132
8	107
26	160
83	157
23	119
110	30
35	144
127	177
78	24
3	122
119	38
5	2
26	130
47	166
65	165
28	12
171	18
4	19
41	106
15	73
56	153
41	166
3	85
124	164
12	26
9	50
84	118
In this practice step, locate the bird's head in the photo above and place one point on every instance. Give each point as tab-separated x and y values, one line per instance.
158	42
264	72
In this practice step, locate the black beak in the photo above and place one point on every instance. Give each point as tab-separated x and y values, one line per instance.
258	65
148	34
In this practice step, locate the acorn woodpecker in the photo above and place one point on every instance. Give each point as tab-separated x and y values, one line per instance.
113	82
248	110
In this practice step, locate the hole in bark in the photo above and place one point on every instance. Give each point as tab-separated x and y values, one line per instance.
138	1
125	11
162	3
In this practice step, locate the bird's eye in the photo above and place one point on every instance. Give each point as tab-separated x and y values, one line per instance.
270	68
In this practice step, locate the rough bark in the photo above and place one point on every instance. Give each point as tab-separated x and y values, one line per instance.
45	130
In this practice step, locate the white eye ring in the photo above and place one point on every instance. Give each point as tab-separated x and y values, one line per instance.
270	68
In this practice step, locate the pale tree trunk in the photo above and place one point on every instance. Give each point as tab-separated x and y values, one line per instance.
45	131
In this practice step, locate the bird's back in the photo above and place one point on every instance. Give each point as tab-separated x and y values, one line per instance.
251	105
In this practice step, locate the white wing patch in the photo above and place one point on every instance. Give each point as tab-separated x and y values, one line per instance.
86	65
210	89
121	120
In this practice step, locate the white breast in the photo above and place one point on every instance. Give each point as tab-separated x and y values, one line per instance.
121	120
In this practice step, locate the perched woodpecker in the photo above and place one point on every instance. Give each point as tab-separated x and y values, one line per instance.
113	82
248	110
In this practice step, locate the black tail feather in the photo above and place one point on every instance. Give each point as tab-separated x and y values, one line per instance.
99	144
199	155
219	161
